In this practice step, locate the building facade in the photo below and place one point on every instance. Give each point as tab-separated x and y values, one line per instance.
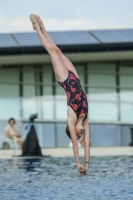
104	62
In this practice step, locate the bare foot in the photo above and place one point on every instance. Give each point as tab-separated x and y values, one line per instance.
40	23
34	21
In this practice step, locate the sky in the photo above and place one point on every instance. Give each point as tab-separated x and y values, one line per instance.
59	15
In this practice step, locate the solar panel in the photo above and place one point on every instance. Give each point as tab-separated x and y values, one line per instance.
80	37
68	38
7	41
109	36
127	34
27	39
60	38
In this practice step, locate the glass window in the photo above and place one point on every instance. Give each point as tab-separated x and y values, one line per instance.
126	95
60	92
62	138
39	107
105	135
48	74
103	111
3	138
47	90
9	90
82	79
126	110
102	94
126	92
9	107
9	93
29	103
79	68
29	106
126	70
9	74
96	67
126	135
126	81
29	91
48	107
38	90
46	134
61	109
28	74
101	80
38	73
60	103
81	73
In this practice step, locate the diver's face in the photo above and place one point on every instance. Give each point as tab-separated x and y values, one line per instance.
79	133
79	128
12	122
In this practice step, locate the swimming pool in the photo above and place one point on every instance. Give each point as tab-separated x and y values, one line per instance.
58	179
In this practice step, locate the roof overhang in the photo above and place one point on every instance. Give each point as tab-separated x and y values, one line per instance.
74	57
28	50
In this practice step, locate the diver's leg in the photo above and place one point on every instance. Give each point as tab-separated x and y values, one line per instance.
65	60
60	70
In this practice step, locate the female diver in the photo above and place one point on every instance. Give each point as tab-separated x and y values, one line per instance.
67	77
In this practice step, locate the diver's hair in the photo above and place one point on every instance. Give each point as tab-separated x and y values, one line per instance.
11	120
68	132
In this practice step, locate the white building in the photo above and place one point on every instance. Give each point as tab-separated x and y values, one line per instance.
104	61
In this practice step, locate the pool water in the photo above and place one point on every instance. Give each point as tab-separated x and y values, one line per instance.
58	179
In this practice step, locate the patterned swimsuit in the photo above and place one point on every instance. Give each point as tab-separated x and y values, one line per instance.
76	98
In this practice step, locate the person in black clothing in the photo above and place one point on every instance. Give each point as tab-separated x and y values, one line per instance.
31	145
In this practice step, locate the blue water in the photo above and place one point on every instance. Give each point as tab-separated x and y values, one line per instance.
58	179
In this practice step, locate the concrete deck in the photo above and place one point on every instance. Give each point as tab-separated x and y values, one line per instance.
64	152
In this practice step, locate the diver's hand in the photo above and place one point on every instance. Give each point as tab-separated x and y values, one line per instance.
81	169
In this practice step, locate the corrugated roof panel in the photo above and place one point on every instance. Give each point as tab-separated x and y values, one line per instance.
109	36
7	41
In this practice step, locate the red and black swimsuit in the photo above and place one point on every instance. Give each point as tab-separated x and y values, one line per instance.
76	97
